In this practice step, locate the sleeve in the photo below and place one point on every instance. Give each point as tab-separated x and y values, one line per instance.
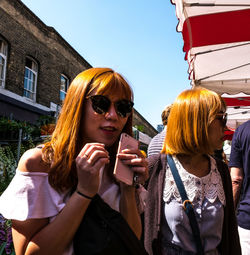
156	144
236	151
150	147
29	196
152	161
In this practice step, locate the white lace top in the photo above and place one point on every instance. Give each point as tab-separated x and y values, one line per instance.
209	186
208	198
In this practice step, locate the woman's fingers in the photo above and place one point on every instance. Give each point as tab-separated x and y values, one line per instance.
92	152
95	155
88	149
133	160
142	172
137	163
89	161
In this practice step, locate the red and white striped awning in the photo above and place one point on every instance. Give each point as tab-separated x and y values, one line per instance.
238	109
216	36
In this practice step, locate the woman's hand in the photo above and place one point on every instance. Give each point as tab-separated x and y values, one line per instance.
128	206
137	163
89	161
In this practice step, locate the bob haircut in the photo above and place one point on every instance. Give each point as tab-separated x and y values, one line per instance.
191	114
66	141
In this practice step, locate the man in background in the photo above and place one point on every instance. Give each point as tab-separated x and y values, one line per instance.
240	173
156	143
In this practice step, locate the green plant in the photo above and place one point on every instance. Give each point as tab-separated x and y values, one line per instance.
4	124
8	161
8	166
45	120
7	171
6	244
139	127
9	129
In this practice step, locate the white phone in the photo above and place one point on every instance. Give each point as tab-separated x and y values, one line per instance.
123	172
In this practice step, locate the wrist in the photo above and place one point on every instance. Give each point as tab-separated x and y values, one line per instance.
126	188
84	195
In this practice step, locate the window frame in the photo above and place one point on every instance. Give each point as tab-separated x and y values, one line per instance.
4	55
33	71
67	85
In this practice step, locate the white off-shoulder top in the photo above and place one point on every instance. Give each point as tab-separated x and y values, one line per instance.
30	196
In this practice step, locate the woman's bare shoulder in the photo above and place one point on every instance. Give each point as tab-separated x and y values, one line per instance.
31	161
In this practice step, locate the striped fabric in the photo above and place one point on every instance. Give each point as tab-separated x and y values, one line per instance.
156	143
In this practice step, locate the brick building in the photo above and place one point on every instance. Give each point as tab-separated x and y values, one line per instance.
36	66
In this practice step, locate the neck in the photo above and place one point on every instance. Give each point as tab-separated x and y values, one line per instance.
190	159
198	164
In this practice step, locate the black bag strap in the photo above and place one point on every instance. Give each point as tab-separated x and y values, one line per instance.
187	205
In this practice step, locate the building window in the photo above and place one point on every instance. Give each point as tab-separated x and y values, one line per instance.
64	87
3	62
30	79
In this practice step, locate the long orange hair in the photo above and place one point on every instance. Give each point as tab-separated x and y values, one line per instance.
65	144
191	114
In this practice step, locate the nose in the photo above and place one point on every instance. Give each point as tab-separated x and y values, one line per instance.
111	113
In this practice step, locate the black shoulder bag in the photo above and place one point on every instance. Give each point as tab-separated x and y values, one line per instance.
187	205
103	231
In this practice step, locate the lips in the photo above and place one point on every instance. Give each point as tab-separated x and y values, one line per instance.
109	128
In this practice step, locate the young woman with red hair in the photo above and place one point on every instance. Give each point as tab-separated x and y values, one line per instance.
196	126
60	187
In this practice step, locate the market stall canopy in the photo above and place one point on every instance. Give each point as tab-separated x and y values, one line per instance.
237	100
229	134
238	109
216	36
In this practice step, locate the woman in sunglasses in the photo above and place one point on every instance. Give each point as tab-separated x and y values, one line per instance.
190	205
68	184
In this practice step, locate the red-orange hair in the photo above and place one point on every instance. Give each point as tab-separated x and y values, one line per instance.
65	144
191	114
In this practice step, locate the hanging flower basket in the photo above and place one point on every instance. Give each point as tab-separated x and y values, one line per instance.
47	129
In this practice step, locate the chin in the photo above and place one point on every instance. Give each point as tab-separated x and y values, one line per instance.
108	143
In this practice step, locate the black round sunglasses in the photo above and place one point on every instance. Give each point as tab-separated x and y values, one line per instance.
101	105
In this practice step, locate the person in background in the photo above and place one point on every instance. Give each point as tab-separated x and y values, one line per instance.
240	173
195	129
155	145
68	179
227	149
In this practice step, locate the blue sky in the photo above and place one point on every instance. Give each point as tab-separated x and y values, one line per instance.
137	38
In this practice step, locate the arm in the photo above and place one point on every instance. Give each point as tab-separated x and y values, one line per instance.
129	209
128	205
237	178
38	236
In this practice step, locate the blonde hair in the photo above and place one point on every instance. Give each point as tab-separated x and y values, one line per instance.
165	114
66	141
191	114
